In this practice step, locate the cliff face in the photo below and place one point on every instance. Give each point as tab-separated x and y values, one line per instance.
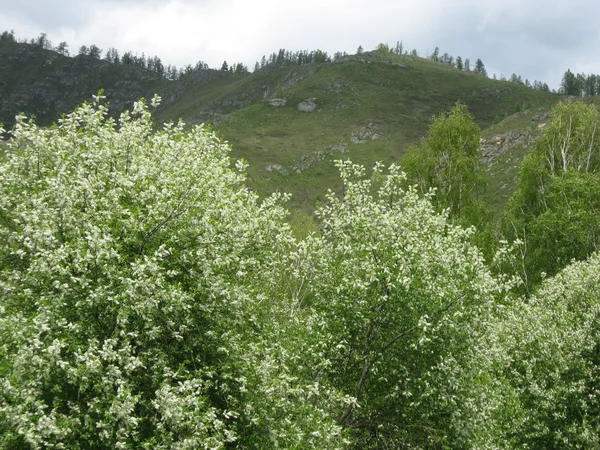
45	84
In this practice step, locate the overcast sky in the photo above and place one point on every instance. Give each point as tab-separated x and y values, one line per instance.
533	38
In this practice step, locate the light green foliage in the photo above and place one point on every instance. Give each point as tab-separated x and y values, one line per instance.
395	296
554	208
448	160
136	271
537	369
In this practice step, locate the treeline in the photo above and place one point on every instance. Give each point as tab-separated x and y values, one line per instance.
580	85
112	55
480	69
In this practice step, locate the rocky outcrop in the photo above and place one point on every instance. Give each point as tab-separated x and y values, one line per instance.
277	101
307	161
524	138
367	133
307	105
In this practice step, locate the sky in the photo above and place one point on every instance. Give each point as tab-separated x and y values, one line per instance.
536	39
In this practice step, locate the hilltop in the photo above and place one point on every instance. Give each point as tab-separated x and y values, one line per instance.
288	121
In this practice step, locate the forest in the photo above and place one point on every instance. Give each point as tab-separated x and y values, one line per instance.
151	300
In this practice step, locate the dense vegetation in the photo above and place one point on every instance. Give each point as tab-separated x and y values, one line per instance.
150	300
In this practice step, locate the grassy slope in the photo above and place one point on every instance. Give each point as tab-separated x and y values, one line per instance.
398	95
395	95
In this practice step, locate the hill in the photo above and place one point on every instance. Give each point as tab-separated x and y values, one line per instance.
288	121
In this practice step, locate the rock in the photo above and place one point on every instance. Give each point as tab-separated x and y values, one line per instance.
277	101
366	133
307	105
276	168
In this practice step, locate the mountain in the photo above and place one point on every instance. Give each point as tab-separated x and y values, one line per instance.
288	121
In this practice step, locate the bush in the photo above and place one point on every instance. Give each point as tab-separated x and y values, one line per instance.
136	275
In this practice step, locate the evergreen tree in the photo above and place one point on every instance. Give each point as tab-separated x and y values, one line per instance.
399	50
6	36
94	51
480	68
569	84
467	65
62	49
224	66
459	63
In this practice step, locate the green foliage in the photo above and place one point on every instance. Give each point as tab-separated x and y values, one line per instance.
557	196
448	161
536	372
149	300
395	296
137	280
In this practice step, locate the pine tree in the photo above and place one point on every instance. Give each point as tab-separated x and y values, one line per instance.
480	68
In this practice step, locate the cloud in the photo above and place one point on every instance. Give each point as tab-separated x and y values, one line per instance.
536	39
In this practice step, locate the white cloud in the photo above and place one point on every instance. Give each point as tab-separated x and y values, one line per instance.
534	38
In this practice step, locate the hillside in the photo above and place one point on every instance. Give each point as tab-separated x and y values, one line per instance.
44	83
289	121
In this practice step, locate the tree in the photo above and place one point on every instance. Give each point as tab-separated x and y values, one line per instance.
459	63
224	66
383	48
395	295
43	42
435	56
539	363
138	280
127	59
63	49
94	51
556	198
399	50
359	50
570	84
414	52
83	50
480	68
112	56
467	65
448	160
6	36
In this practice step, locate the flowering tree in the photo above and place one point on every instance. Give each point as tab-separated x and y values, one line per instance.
395	296
135	276
536	371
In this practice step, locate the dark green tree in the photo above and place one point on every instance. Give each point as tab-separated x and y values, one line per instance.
63	49
569	84
94	51
480	68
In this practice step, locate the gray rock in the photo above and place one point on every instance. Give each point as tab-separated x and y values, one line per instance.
277	101
307	105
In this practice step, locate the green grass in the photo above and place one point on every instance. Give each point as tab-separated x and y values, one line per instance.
397	95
